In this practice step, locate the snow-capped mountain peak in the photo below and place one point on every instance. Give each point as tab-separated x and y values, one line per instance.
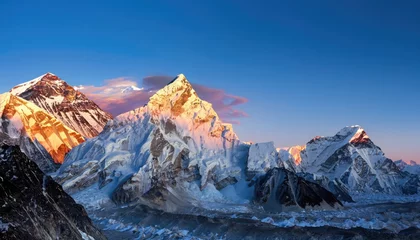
21	88
65	103
179	102
351	157
179	98
130	89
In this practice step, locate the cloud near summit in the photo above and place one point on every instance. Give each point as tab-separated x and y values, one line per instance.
112	98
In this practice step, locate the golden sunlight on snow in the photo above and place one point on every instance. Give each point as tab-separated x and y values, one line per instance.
295	152
38	124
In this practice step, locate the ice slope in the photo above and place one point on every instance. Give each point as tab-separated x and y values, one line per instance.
262	157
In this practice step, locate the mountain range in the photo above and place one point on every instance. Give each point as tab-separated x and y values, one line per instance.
177	146
351	158
176	155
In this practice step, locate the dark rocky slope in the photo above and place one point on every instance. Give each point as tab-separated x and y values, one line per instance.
34	206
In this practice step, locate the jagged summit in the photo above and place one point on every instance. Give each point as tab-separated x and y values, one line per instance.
179	78
23	118
179	97
64	102
19	89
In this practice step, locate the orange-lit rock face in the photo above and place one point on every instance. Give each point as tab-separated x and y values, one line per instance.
37	124
295	152
360	137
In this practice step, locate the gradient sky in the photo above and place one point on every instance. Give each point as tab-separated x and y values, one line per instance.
307	68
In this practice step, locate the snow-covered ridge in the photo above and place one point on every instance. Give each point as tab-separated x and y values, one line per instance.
21	88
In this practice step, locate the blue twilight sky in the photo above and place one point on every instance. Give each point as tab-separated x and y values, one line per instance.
307	67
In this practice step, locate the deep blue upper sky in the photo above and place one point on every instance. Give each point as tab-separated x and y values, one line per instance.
307	67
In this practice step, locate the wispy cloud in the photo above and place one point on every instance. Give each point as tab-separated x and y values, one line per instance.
110	96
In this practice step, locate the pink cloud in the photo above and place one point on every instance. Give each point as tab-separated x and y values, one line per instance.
111	98
223	103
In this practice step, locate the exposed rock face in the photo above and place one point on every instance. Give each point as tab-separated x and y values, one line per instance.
34	206
68	105
163	154
335	186
352	158
20	118
281	188
32	150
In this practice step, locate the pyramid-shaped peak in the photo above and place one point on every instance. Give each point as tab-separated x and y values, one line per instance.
49	76
21	88
179	98
64	102
179	80
176	88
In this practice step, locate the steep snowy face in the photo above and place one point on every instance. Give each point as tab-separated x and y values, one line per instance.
319	149
352	158
262	157
20	118
68	105
174	148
